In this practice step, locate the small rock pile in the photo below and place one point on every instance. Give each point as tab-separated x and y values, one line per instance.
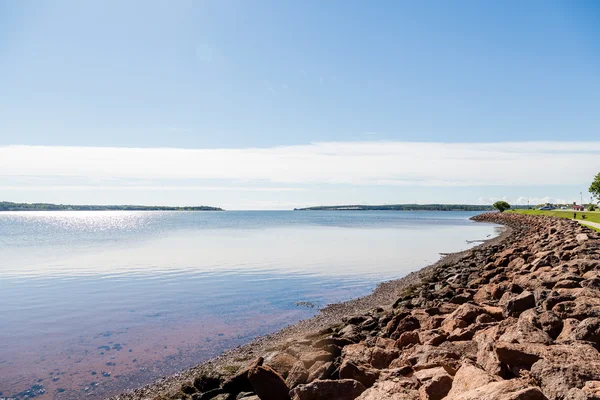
518	320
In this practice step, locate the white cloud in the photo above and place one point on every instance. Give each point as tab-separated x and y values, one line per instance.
357	163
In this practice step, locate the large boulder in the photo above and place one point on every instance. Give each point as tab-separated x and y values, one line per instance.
436	388
268	384
343	389
469	377
462	317
514	389
588	330
393	389
518	304
557	379
366	376
297	375
281	362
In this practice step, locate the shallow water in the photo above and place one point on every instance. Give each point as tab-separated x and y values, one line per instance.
92	303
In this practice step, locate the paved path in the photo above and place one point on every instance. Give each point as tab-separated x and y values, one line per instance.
594	224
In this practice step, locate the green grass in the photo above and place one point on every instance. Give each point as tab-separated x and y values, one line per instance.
592	216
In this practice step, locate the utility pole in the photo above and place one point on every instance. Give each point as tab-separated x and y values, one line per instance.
581	194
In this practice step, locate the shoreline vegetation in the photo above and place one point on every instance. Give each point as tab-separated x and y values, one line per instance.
515	317
404	207
9	206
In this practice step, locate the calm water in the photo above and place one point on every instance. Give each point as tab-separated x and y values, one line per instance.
95	302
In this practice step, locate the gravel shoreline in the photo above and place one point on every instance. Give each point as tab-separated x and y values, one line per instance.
384	295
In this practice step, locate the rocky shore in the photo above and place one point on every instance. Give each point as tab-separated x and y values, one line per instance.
516	318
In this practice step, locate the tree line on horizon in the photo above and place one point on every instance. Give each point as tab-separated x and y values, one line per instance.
405	207
10	206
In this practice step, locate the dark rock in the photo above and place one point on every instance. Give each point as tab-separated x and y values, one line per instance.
518	304
205	383
436	388
268	384
188	389
239	382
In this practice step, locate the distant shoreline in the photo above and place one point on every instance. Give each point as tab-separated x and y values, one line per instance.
9	206
403	207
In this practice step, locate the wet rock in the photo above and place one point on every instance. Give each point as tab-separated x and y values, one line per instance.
343	389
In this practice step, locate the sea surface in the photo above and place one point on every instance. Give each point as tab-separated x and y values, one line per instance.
92	303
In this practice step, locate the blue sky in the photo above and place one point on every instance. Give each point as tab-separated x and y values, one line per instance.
297	80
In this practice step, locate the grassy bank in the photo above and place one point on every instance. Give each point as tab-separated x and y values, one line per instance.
590	216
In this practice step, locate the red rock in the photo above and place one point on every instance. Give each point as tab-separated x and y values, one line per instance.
397	389
518	304
268	384
281	362
320	370
436	388
297	375
343	389
469	377
513	389
408	338
366	376
309	358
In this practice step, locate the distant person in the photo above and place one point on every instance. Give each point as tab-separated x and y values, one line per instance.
574	215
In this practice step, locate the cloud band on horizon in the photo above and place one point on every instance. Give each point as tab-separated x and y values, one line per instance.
354	163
